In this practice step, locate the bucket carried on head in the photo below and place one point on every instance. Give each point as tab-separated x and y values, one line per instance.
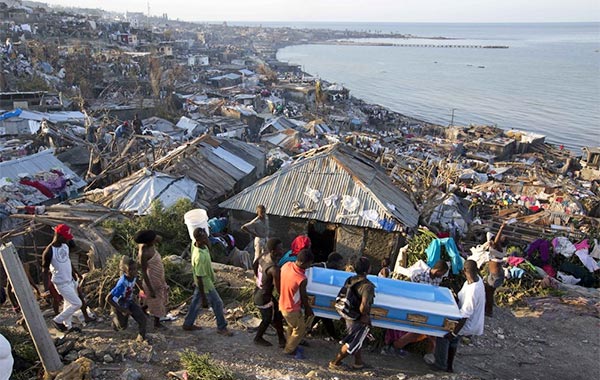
196	218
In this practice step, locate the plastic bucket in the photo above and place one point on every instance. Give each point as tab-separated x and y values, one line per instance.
196	218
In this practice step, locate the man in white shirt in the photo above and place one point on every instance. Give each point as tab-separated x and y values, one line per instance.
471	301
56	261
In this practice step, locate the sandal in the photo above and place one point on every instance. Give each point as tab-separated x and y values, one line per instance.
337	367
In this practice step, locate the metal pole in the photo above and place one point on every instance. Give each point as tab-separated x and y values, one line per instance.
452	121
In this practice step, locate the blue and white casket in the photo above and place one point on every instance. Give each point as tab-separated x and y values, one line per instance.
398	305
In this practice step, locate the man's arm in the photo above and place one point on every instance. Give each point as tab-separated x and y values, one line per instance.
46	260
200	285
111	302
304	298
276	278
365	310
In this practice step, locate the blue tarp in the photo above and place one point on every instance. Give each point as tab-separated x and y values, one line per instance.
434	252
10	114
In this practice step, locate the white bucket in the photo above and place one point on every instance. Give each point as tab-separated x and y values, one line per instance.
196	218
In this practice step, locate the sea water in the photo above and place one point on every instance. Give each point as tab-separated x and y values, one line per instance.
547	81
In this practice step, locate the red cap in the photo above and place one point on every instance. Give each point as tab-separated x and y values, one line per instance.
300	242
64	231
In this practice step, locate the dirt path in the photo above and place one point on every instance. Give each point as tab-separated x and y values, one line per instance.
554	338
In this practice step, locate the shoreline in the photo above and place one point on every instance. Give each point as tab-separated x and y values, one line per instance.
576	153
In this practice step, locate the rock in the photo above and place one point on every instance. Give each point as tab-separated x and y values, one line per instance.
585	341
500	336
131	374
401	376
81	369
429	376
64	348
71	356
107	358
312	375
86	352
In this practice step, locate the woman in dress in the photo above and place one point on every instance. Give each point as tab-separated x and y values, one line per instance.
153	274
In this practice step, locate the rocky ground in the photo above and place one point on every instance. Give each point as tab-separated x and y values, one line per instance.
552	338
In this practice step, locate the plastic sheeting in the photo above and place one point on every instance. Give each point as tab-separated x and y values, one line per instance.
159	186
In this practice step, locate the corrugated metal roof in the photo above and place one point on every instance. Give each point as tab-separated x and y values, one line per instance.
39	162
333	170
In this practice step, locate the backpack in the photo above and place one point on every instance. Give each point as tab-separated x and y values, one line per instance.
347	302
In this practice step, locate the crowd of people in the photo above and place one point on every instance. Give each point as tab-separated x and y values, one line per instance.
280	294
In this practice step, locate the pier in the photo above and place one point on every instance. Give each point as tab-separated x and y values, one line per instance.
447	46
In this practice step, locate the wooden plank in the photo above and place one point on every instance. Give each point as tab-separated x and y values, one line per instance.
30	308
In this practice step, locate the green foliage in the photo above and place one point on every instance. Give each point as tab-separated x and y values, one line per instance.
202	367
417	246
21	343
168	222
33	83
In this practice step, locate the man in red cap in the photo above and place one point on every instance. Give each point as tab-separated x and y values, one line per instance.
56	260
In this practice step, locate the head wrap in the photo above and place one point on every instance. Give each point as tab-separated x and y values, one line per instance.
64	231
300	242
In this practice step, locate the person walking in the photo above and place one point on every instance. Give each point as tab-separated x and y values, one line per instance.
205	292
56	261
357	329
293	298
153	275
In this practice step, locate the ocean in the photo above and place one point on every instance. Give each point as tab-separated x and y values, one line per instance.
547	81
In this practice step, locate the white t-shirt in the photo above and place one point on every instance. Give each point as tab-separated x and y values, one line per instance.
471	300
60	266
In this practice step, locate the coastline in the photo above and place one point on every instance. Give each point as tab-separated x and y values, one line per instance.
357	101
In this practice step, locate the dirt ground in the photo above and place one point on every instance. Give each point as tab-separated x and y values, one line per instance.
553	338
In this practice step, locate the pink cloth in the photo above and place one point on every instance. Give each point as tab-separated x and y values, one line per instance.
549	270
300	242
582	245
515	260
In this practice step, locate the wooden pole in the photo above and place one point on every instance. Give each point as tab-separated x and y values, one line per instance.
30	308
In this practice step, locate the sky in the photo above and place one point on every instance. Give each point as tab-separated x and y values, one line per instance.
358	10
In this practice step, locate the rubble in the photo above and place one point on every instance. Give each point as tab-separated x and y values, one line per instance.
217	113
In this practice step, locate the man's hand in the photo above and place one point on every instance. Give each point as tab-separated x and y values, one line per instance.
309	313
450	335
125	312
365	319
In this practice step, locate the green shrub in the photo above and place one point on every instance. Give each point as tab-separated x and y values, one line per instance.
168	222
202	367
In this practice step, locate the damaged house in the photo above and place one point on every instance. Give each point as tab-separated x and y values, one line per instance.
341	199
206	170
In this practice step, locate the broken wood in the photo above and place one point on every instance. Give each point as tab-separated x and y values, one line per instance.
30	308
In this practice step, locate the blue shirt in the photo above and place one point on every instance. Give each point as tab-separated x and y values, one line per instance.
122	293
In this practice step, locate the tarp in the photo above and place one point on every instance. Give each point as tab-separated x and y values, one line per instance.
53	117
159	186
39	162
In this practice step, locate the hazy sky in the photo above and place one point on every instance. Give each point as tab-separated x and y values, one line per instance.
359	10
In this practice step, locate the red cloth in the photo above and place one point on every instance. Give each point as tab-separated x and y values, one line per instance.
300	242
43	189
550	270
515	260
64	231
443	235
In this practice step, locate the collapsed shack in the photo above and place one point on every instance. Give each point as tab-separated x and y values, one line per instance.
206	170
32	232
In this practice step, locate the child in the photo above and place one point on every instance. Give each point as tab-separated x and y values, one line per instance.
204	279
121	299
